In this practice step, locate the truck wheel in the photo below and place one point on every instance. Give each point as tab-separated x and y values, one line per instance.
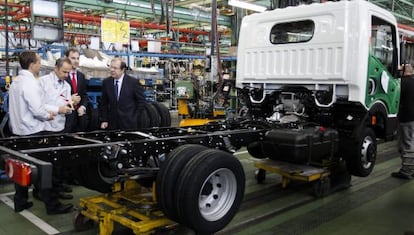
144	120
96	176
168	174
82	223
363	154
255	149
210	191
164	114
321	187
260	175
154	117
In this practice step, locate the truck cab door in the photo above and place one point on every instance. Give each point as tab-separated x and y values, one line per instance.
383	66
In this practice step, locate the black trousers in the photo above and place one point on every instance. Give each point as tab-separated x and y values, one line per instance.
49	196
75	123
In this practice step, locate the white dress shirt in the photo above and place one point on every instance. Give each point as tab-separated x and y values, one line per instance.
56	94
28	114
119	83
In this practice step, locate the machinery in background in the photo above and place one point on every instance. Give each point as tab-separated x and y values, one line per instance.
202	99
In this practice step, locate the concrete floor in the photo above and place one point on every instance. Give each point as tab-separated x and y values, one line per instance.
377	204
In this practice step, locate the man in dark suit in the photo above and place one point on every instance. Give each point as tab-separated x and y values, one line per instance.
77	120
122	99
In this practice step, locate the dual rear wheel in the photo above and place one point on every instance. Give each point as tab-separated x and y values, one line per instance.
201	188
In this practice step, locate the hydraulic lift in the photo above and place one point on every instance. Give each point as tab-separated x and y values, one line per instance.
133	207
324	179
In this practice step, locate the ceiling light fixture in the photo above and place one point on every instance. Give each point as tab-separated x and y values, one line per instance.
142	4
247	5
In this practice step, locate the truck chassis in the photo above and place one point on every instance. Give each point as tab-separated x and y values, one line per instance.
193	176
188	161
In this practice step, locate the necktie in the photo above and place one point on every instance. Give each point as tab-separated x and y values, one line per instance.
116	90
74	86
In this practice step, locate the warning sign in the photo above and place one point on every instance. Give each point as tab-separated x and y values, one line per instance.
114	31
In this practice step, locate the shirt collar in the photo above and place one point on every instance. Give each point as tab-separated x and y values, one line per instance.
56	79
120	79
26	73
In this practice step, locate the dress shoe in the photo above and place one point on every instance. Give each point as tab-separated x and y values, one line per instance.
401	175
36	194
65	196
18	208
65	188
60	209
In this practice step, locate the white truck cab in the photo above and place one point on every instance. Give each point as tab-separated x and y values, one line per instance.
331	63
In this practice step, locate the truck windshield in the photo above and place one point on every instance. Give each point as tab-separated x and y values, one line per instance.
292	32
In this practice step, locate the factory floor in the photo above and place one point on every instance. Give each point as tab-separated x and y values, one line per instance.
377	204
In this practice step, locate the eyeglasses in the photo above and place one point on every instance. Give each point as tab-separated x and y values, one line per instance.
114	68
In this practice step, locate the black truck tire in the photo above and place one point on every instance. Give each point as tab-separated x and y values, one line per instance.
164	114
255	149
143	119
362	153
168	174
210	191
81	222
153	116
97	176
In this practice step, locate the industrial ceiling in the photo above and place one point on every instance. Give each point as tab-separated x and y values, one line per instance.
190	16
194	13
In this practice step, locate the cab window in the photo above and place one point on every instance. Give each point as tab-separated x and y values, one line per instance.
292	32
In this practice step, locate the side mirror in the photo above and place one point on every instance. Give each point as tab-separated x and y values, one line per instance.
402	52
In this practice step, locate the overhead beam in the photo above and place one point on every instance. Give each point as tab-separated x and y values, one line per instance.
143	8
188	3
403	9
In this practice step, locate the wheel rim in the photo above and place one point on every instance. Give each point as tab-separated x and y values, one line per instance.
367	152
217	194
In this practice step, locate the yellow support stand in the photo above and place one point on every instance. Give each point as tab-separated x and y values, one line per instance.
133	207
195	122
219	113
290	171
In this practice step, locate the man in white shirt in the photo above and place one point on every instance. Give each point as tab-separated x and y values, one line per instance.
29	116
58	94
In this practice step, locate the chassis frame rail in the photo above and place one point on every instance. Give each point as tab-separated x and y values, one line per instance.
125	154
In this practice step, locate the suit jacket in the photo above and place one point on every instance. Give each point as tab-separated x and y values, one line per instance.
82	84
122	113
75	123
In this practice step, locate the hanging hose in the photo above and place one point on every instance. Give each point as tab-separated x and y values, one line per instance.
167	21
153	9
162	11
171	14
220	81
